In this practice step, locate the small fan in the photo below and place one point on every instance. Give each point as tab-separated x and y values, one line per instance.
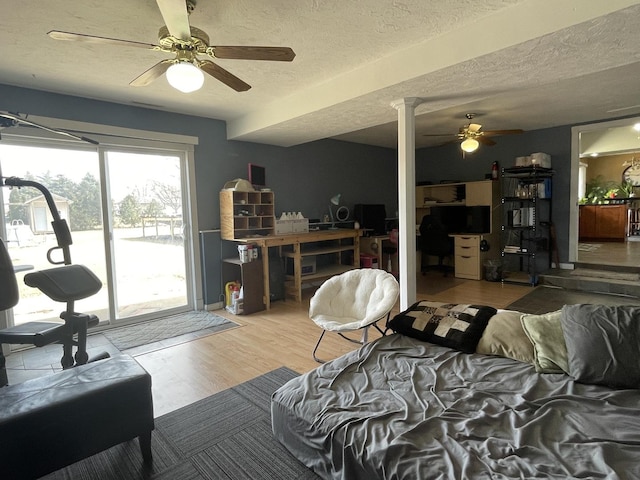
185	42
471	136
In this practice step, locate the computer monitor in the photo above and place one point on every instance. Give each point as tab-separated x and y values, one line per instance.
460	219
257	176
371	217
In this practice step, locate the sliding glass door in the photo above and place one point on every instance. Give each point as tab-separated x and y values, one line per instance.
148	234
125	208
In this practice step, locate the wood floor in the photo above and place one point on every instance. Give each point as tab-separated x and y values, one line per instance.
620	254
281	336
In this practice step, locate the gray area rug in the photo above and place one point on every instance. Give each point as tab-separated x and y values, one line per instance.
548	299
161	329
224	436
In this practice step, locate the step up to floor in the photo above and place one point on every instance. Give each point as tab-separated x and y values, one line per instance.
594	280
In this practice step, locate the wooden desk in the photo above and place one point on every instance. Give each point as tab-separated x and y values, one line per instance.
293	285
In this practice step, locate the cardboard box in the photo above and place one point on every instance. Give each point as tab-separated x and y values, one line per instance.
283	227
307	265
541	159
299	225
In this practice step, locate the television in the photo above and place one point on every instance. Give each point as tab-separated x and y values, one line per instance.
257	176
371	217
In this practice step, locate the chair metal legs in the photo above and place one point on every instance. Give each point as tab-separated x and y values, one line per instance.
316	348
363	340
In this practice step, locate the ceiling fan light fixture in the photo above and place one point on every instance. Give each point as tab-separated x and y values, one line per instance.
185	76
469	145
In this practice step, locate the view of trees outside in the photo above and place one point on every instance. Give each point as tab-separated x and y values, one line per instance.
146	192
147	206
84	208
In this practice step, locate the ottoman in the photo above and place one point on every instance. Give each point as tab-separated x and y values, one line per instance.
51	422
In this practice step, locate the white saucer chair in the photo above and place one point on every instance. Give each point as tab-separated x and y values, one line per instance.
353	300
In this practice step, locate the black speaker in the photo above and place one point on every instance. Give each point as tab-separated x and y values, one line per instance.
276	277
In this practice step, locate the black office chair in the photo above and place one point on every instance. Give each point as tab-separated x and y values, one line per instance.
66	283
435	241
390	250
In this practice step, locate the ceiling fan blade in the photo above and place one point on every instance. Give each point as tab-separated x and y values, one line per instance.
176	18
440	135
277	54
485	141
79	37
150	75
503	132
224	76
474	127
18	120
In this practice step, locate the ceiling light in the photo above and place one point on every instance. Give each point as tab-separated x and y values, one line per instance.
594	154
636	127
185	76
469	145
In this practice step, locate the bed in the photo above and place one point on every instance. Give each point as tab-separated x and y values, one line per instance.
512	396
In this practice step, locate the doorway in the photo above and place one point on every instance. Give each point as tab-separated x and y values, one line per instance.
608	149
125	207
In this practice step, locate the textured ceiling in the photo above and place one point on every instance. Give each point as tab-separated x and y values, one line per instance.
525	64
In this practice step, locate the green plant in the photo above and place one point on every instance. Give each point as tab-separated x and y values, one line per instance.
599	190
626	188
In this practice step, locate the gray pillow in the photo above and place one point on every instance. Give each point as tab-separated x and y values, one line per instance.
603	344
545	332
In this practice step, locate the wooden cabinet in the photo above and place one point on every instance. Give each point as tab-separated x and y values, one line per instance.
482	193
246	214
250	276
603	222
469	259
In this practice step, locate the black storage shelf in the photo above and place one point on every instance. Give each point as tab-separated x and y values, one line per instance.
526	222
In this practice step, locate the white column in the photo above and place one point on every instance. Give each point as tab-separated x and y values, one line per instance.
407	198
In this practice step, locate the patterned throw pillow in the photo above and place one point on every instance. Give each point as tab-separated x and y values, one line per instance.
456	326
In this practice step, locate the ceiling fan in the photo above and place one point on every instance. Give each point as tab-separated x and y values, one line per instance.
177	37
471	136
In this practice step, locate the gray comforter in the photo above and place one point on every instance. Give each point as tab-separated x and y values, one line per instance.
399	408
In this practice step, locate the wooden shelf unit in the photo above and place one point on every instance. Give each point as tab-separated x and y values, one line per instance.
250	276
329	261
246	214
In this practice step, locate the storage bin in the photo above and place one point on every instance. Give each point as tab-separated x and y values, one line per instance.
368	261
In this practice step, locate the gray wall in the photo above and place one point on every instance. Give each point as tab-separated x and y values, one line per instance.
446	163
303	177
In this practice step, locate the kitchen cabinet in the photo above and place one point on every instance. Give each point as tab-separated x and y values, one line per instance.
603	222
